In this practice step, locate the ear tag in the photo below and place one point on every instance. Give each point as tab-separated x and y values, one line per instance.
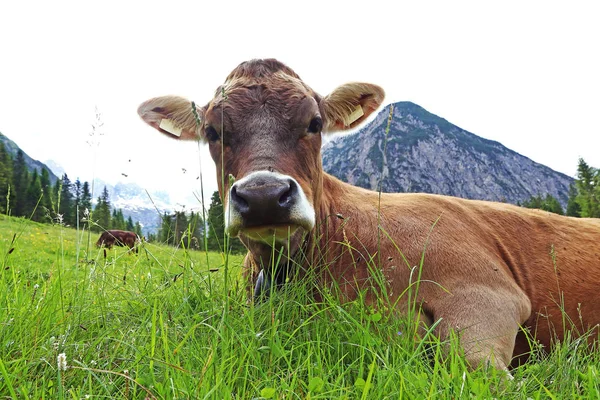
356	114
169	126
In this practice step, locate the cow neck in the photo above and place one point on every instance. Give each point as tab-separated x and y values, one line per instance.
328	219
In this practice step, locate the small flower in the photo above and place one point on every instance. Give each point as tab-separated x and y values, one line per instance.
36	286
149	276
61	361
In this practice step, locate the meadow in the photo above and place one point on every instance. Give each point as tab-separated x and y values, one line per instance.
173	323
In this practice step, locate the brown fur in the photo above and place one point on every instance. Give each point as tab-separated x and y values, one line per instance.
118	238
488	268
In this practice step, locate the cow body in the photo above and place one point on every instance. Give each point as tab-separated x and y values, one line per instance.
486	269
118	238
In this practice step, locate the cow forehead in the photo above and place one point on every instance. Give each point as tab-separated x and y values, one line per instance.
277	97
276	89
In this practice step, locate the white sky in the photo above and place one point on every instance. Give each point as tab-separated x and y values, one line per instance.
526	74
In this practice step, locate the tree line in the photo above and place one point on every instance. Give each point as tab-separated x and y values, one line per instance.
584	195
190	231
31	194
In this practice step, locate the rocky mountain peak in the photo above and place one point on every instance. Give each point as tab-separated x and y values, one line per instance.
425	153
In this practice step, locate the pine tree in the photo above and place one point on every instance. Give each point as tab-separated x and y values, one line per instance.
553	205
55	196
216	228
102	211
533	202
121	220
573	207
66	203
549	203
77	192
117	220
20	182
196	231
588	182
191	234
138	229
46	203
33	198
86	199
180	227
6	172
129	226
165	233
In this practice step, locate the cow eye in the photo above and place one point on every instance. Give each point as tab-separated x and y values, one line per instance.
211	134
315	126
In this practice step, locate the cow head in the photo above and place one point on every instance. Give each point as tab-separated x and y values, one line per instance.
263	128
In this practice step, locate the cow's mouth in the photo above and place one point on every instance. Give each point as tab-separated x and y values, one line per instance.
270	233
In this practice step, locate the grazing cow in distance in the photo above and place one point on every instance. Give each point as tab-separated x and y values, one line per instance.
117	237
486	269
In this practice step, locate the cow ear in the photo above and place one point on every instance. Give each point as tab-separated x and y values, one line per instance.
349	105
174	116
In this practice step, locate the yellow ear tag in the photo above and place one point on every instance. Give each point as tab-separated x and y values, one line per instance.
356	114
169	126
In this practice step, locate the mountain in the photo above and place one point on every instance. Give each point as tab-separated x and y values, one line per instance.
32	164
426	153
135	202
55	167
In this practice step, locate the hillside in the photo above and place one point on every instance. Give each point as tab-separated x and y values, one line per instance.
13	149
426	153
133	200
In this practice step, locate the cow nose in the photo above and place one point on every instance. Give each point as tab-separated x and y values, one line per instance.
264	200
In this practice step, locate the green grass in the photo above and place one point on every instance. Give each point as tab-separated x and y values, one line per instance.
160	324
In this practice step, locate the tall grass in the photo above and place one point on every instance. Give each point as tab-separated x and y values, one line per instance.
151	326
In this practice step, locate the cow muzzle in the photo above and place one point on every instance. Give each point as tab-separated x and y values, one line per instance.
267	205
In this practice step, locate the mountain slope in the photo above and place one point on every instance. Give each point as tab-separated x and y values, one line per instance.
134	201
426	153
13	149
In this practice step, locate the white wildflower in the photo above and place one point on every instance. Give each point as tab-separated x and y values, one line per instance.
149	275
36	286
61	360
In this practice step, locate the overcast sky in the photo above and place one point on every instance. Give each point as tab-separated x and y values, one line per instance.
526	74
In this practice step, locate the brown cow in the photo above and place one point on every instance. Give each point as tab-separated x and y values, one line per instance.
116	237
488	268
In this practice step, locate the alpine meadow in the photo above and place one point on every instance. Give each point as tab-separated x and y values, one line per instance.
176	320
175	323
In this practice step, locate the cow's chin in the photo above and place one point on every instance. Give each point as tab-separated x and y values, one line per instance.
261	241
271	234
